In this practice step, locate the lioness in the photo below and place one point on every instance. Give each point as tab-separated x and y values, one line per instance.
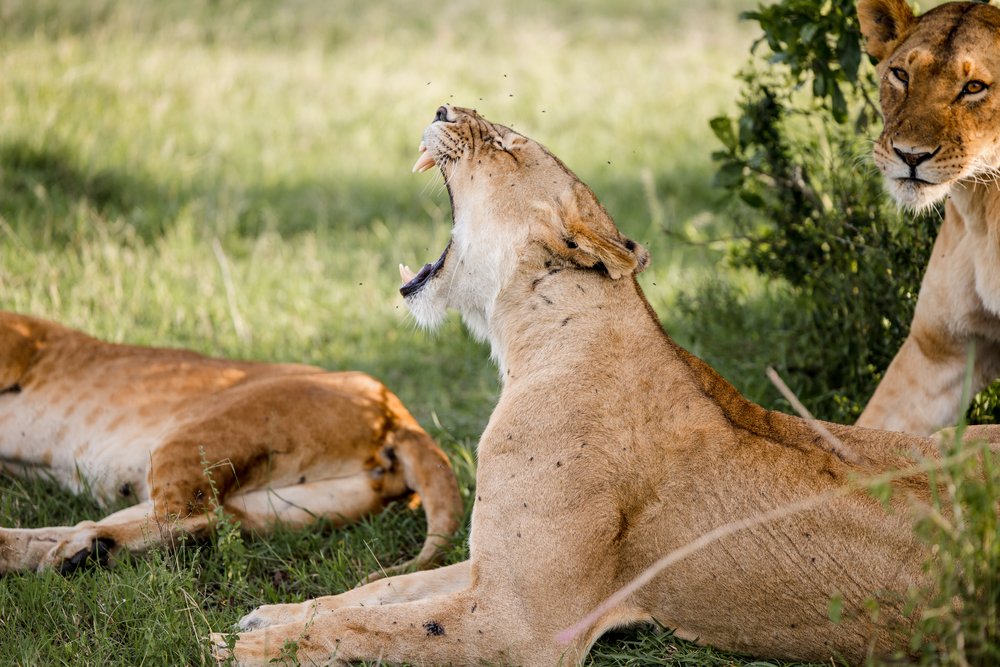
178	432
941	140
609	447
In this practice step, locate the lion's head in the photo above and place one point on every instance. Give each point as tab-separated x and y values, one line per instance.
941	113
513	203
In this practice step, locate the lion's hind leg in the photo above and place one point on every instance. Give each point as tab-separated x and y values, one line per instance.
342	500
162	521
66	548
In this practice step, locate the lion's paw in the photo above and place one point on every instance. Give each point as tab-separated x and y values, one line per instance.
253	649
70	555
221	646
276	614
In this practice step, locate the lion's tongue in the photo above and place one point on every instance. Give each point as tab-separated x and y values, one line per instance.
424	162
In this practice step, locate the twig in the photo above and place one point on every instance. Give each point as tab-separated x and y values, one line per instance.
836	446
239	324
381	569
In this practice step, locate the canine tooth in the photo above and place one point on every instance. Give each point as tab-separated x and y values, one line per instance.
424	162
406	273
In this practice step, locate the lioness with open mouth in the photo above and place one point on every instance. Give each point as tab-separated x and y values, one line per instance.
609	447
179	433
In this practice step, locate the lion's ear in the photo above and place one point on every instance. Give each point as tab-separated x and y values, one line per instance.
883	24
511	140
588	237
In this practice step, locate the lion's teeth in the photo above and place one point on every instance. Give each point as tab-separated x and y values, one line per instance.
424	162
406	273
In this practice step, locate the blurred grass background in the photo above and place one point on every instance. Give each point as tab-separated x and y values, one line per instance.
148	149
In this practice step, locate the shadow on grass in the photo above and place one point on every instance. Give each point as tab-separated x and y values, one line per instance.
44	190
50	197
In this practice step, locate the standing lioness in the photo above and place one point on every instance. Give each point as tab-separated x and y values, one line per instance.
609	447
177	433
941	140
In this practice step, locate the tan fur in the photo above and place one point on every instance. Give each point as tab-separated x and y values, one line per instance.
609	447
178	432
957	138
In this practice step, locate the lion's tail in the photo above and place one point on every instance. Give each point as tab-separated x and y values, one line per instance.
428	473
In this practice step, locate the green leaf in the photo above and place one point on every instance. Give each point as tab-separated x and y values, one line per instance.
819	86
752	199
730	175
722	128
839	104
835	608
808	32
850	55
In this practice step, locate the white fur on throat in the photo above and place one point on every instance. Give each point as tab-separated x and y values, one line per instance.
480	263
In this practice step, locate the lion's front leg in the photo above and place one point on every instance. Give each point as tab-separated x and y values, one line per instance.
922	388
402	588
464	628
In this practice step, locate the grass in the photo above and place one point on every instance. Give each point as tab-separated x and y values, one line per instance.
147	149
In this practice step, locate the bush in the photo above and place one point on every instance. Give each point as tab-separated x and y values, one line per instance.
960	618
811	210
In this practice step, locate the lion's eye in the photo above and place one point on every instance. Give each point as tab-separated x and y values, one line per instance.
900	74
974	87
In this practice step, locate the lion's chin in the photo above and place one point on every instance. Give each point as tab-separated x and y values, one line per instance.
916	195
422	294
428	308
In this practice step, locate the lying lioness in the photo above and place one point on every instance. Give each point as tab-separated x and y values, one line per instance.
178	432
609	447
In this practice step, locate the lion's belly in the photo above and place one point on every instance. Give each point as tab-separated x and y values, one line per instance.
78	442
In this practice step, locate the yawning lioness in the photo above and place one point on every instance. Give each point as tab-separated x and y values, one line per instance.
609	447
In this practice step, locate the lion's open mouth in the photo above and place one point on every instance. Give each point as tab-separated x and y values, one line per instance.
413	282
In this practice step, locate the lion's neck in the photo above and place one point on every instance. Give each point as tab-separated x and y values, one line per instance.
552	317
979	206
555	325
973	212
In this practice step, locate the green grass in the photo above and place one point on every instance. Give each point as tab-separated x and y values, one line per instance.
147	148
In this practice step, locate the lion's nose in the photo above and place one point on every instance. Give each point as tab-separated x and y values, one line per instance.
914	159
442	114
